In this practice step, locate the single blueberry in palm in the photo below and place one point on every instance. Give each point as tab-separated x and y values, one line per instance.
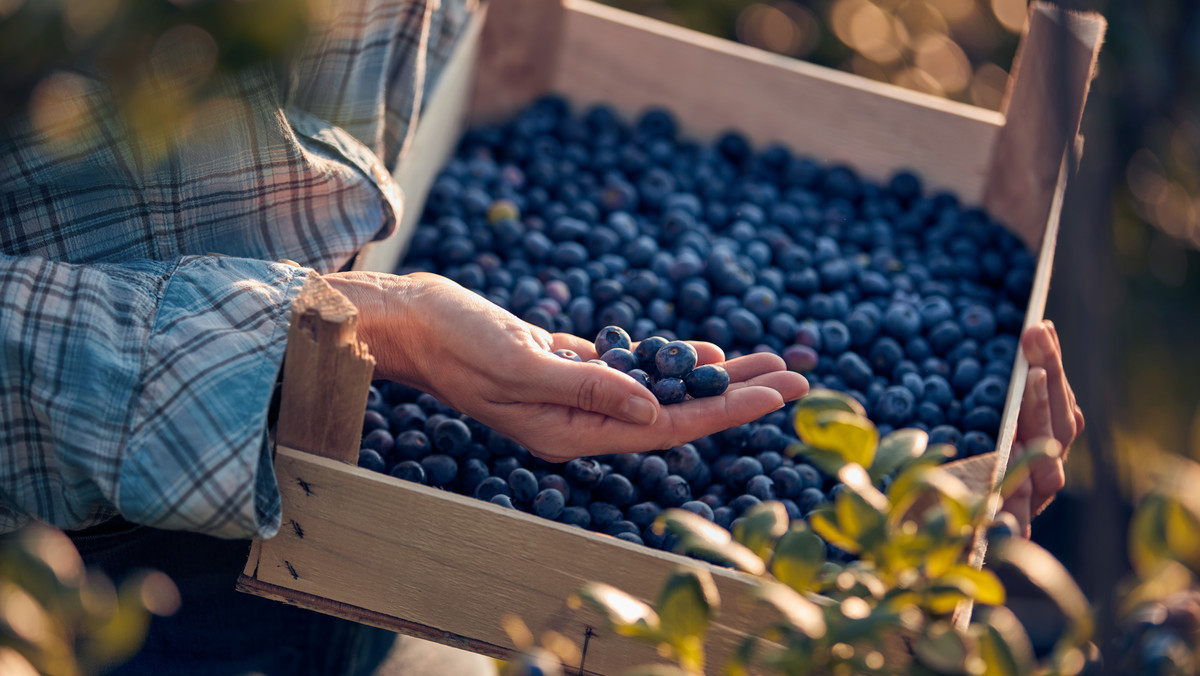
709	380
675	359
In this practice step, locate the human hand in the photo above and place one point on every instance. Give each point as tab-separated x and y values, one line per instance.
1050	414
428	332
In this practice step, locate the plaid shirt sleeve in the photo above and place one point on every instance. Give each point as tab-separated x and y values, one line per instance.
136	369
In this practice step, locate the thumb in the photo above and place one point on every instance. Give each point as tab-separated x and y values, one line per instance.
593	388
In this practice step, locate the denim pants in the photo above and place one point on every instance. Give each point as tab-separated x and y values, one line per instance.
217	630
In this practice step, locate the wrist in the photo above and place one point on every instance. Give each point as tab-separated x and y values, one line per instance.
387	321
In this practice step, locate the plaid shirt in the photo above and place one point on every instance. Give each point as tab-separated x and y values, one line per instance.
137	369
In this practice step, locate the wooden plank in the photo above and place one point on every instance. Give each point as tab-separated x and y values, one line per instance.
446	567
326	375
713	85
518	51
1043	108
438	130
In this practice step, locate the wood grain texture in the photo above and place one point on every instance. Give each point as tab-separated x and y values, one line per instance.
713	85
449	567
518	53
438	131
326	375
1043	107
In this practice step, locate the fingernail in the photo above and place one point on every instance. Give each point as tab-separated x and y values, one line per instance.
1040	389
638	410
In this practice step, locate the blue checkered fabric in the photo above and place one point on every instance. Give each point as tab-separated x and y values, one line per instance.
137	366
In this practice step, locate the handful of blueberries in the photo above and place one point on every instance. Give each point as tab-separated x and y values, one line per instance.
666	367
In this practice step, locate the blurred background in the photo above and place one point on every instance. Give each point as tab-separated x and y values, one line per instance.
1124	294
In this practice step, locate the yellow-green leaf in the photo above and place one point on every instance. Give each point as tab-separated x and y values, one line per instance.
897	449
1182	530
822	521
1042	569
942	649
1004	646
1147	539
981	585
852	436
760	526
819	400
807	617
627	615
686	601
799	555
684	524
732	554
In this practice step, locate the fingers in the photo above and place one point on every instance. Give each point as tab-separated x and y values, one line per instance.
706	353
1034	418
589	387
1018	504
1042	349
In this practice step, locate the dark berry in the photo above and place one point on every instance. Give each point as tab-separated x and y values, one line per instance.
708	380
610	337
675	359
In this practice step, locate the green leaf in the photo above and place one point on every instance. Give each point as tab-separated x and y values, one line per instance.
799	612
911	488
1181	526
685	603
627	615
688	525
1004	645
942	649
731	554
981	585
799	555
853	437
819	400
1045	571
823	522
761	526
1147	539
859	519
897	449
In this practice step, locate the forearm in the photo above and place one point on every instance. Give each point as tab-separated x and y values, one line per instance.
141	389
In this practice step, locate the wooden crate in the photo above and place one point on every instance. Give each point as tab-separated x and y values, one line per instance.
444	567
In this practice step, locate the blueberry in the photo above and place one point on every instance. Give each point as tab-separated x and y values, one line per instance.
647	350
643	513
708	380
583	472
902	321
622	528
967	373
549	503
472	472
896	406
673	491
742	470
620	359
944	336
412	445
761	487
800	358
809	499
990	391
373	420
854	370
640	376
684	461
741	503
570	355
451	436
440	468
698	508
651	472
788	483
723	516
523	485
410	470
835	337
675	359
669	390
371	459
885	354
378	440
938	390
576	516
982	419
930	414
502	500
610	337
977	443
945	434
978	322
604	513
616	489
766	437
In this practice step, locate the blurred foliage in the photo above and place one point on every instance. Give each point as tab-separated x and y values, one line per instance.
161	58
911	602
59	619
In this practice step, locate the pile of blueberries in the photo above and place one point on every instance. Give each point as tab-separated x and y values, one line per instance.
578	221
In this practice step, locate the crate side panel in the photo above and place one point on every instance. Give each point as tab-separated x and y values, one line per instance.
441	560
611	56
